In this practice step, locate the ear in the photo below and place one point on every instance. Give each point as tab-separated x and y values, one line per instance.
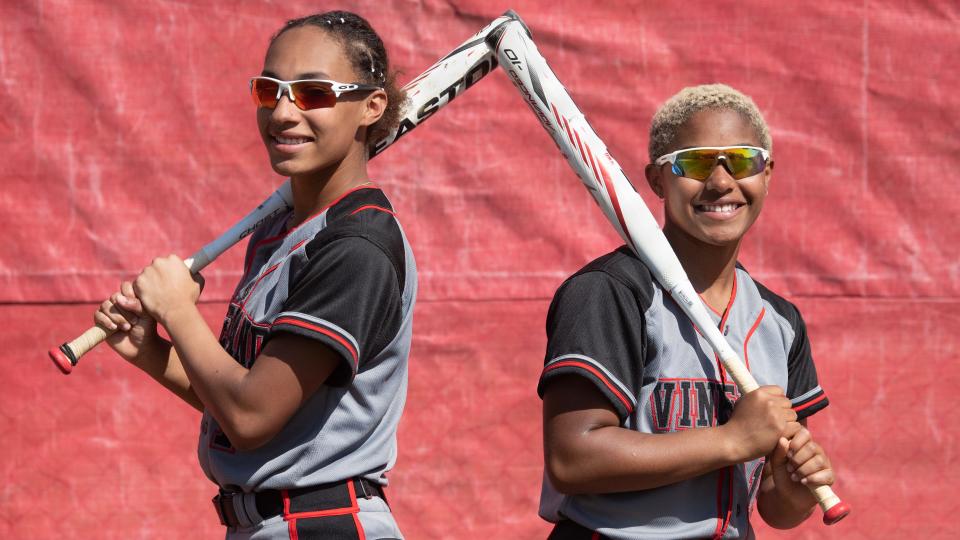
654	179
374	107
767	176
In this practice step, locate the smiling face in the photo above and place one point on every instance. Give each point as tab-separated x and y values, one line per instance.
719	210
302	143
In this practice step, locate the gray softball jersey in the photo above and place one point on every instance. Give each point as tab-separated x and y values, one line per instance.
347	278
613	324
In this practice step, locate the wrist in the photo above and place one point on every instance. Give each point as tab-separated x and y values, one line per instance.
730	447
176	313
149	349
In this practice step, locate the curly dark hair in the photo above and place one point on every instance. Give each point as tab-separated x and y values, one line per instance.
368	57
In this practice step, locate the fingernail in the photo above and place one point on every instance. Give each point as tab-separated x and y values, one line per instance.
126	327
134	320
795	478
790	468
789	453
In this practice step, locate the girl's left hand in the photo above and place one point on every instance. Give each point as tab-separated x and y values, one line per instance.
166	286
800	464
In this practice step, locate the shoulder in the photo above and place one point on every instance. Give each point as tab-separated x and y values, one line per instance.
362	225
619	269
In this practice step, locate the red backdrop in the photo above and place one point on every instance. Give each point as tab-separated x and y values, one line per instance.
127	132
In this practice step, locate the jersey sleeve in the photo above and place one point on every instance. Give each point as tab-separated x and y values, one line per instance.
347	297
803	387
595	330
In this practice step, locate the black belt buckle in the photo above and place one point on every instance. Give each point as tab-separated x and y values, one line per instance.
363	488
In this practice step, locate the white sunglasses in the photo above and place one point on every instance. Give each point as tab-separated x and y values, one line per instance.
698	163
307	94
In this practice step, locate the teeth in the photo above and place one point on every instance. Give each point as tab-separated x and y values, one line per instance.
722	208
285	140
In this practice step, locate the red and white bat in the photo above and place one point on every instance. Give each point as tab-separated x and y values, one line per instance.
433	89
623	207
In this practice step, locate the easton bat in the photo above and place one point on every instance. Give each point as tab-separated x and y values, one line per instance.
429	92
623	207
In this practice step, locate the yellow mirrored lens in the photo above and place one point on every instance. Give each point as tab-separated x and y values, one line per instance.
743	162
739	162
697	164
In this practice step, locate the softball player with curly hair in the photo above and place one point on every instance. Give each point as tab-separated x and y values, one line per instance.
302	391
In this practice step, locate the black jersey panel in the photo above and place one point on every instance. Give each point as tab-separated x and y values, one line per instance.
346	296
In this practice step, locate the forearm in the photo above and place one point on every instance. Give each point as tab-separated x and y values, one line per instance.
215	377
160	362
613	459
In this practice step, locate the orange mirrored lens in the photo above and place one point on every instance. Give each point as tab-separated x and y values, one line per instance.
264	93
306	95
314	95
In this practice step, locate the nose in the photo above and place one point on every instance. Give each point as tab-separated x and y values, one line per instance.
285	111
720	178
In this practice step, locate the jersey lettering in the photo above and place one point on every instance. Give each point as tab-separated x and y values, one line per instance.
687	403
241	337
662	405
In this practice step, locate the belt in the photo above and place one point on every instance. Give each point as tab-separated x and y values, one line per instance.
269	503
570	530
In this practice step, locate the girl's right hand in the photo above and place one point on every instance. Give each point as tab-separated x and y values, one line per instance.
133	330
758	421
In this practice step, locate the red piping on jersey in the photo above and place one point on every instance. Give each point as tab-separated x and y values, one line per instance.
733	294
723	323
809	403
374	207
595	536
723	516
297	245
337	337
243	305
746	357
253	252
267	272
716	529
284	234
726	522
335	201
598	374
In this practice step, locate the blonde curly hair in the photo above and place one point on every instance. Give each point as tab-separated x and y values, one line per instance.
684	104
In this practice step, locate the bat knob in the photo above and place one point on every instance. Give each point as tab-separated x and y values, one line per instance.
63	358
836	513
